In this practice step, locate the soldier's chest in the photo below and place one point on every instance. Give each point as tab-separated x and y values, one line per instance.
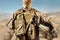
27	16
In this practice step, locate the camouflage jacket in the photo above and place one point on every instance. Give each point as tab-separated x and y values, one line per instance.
19	21
21	18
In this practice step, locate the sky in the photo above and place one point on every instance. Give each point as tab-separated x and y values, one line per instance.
10	6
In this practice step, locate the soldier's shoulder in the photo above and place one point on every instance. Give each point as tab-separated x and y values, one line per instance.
36	11
19	11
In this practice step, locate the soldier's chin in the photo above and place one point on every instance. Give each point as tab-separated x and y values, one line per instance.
26	8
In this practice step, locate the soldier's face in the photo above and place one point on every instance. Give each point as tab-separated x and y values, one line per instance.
26	3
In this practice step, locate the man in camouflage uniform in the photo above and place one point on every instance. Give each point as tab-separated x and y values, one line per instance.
25	23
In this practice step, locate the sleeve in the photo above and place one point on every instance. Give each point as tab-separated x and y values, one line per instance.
45	19
10	19
9	32
50	20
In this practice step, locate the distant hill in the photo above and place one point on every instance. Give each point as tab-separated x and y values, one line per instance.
54	13
4	15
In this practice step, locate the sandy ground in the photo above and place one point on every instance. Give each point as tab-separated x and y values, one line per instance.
3	29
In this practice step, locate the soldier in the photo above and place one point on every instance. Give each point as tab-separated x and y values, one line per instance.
24	23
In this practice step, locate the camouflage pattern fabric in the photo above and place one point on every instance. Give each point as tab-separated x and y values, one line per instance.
19	26
26	24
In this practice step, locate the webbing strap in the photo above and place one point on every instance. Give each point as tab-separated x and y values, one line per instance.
13	23
26	24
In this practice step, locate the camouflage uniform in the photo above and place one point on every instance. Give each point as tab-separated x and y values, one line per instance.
26	27
23	24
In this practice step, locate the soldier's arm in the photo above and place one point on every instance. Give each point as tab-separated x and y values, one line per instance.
49	20
42	18
10	19
46	18
10	31
54	24
9	34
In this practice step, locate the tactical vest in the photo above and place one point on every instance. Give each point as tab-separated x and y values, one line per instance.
22	18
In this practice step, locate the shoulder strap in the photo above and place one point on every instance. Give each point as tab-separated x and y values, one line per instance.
13	23
25	22
24	19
